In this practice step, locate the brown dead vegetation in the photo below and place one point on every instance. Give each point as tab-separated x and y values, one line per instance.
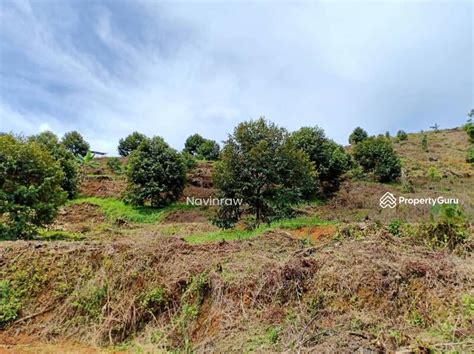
344	295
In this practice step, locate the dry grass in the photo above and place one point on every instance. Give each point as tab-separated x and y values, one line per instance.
273	293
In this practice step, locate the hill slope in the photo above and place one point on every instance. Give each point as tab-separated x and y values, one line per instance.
126	279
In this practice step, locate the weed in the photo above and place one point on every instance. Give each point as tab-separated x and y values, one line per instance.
448	228
433	174
416	319
9	303
394	227
272	334
468	304
90	303
153	299
397	336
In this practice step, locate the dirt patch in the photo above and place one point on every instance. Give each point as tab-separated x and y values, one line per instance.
186	216
78	217
201	175
314	233
196	192
103	187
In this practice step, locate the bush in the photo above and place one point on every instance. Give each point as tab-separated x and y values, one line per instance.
193	142
66	160
376	156
401	135
470	131
261	166
448	228
9	303
470	155
130	143
189	160
329	158
156	174
114	164
30	187
357	136
75	143
424	142
208	150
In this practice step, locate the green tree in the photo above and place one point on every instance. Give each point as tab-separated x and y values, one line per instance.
401	135
75	143
30	187
66	160
261	166
130	143
208	150
193	142
357	136
156	174
329	158
376	156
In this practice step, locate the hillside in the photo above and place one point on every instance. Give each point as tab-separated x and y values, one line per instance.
337	278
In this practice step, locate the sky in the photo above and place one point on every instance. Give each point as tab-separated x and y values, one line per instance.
108	68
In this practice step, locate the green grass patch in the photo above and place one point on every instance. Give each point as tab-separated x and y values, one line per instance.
233	234
115	209
52	235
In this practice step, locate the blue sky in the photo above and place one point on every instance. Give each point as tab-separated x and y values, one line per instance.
107	68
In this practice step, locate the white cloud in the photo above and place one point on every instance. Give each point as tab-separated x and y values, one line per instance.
205	67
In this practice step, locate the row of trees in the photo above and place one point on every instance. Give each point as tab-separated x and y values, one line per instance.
195	146
267	167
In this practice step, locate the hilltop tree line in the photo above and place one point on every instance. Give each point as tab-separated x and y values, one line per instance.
269	168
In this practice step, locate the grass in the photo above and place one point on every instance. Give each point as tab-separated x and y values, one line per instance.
235	234
116	209
53	235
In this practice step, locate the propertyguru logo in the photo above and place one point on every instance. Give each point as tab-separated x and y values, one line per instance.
388	200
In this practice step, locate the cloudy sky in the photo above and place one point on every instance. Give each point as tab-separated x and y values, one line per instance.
107	68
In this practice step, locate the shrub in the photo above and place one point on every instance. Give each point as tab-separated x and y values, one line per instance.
261	166
401	135
470	154
208	150
66	160
192	143
130	143
114	164
448	228
189	160
156	174
395	227
30	187
9	303
424	142
376	156
357	136
469	128
329	158
75	143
